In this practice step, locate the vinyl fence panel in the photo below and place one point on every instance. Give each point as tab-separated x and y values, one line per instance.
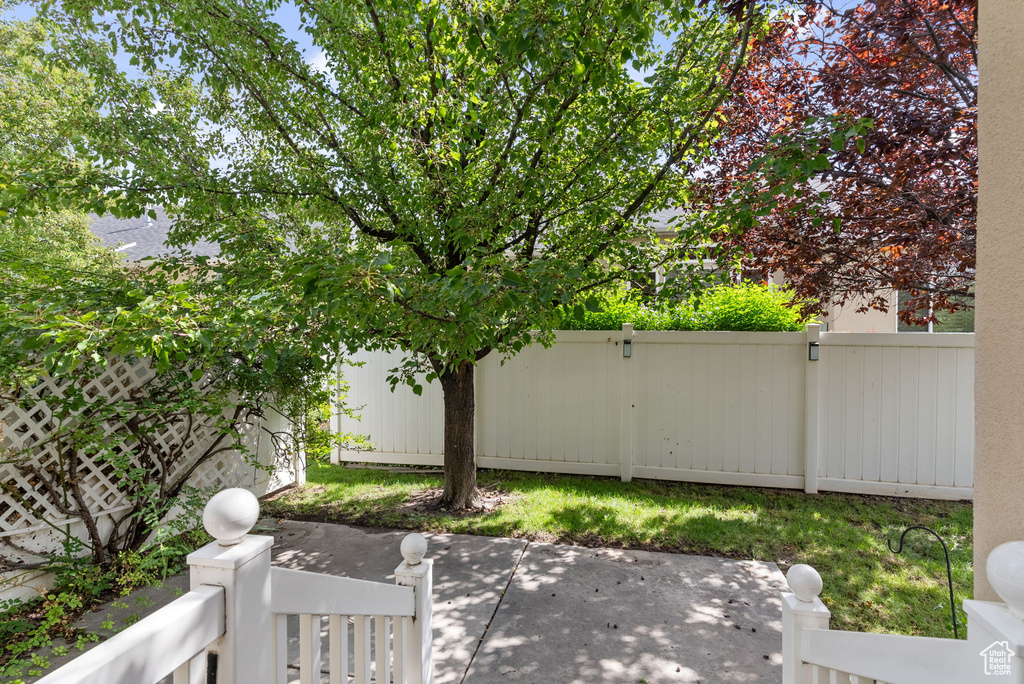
884	414
898	413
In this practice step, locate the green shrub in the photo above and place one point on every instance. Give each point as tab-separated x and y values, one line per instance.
748	306
615	309
744	307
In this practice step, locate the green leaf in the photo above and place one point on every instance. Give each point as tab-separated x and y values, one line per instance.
512	279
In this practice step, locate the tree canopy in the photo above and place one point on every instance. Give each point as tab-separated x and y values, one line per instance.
438	177
897	211
41	110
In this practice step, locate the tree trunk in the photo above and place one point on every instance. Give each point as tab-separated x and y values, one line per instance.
459	455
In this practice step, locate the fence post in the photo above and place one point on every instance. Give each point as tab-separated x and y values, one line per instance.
418	640
801	609
811	403
239	562
626	415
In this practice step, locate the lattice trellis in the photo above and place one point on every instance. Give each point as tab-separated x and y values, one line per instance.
28	432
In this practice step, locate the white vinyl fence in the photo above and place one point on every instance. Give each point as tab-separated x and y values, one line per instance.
879	413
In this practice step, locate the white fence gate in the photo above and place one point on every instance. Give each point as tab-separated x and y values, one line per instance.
879	413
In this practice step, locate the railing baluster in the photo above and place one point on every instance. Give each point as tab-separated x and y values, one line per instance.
398	648
339	649
837	677
309	649
181	673
382	634
192	671
361	649
279	649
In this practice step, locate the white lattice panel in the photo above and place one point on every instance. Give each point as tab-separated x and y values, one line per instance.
29	431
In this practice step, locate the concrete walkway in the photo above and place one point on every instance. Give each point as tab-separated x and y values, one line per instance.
537	613
507	611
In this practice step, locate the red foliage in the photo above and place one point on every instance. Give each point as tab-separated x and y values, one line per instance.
907	204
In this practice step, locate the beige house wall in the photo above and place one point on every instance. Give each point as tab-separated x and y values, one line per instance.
847	319
999	363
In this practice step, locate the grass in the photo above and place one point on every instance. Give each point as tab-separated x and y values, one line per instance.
867	587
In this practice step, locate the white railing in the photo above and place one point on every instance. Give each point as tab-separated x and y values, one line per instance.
239	608
887	414
140	653
812	654
390	636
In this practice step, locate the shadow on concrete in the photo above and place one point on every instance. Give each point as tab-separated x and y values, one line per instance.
583	615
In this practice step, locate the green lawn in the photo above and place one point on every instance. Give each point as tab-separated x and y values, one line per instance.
867	588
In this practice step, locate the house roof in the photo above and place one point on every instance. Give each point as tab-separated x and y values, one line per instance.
143	237
660	220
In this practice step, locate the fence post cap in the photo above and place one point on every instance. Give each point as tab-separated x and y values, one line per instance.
230	514
804	582
1005	571
413	548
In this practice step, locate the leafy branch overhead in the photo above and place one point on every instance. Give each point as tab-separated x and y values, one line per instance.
475	166
123	380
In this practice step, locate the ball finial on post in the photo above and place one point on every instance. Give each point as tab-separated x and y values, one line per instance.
413	548
1005	571
230	514
804	582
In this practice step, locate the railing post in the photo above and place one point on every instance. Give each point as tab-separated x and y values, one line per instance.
995	631
418	642
626	416
239	562
811	403
801	609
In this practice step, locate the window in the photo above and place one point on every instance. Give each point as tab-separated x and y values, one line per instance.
959	321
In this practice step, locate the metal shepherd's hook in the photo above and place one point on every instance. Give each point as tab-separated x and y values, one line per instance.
949	569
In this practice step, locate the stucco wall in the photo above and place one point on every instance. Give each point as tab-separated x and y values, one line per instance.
848	319
999	370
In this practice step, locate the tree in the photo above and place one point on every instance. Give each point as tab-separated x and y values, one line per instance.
69	309
42	108
898	210
469	168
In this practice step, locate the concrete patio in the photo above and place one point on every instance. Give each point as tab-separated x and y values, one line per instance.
511	611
